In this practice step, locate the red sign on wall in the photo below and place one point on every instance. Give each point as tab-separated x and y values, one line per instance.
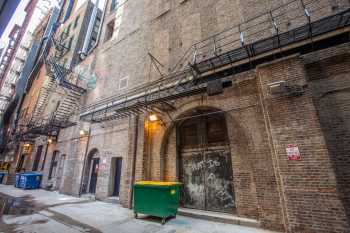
293	152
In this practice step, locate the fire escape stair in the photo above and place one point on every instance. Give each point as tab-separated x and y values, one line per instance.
66	108
44	95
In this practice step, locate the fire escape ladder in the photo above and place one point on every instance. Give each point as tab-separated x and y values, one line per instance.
64	77
41	124
43	98
67	108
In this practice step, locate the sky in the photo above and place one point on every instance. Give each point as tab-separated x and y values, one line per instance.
42	7
19	15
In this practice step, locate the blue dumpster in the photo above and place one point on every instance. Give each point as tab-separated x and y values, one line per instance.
18	175
2	175
29	180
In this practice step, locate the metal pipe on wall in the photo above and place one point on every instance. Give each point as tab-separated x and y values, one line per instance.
133	173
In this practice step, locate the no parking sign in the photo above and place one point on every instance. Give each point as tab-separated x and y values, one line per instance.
293	152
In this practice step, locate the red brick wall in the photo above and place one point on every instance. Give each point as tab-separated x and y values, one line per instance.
312	202
330	82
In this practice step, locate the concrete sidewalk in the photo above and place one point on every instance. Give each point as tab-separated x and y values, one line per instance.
62	213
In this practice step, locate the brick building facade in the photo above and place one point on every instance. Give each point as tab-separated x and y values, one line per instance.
228	142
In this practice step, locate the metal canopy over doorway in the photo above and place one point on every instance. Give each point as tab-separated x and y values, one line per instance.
205	163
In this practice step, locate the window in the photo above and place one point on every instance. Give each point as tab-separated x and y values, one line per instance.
64	63
123	83
59	53
190	136
24	47
68	30
63	35
216	129
204	131
69	10
109	30
69	46
114	5
76	21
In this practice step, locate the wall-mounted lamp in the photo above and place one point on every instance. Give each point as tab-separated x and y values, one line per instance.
282	88
82	133
153	117
49	141
276	88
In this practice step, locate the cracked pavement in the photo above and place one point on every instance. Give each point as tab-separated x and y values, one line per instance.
40	211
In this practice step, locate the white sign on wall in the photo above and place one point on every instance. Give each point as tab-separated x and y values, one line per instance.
293	152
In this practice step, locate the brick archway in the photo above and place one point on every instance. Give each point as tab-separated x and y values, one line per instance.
93	154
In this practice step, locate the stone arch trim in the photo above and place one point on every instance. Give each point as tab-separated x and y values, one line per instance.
93	152
180	113
243	153
86	170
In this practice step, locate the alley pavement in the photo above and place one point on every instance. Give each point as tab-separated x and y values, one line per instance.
40	211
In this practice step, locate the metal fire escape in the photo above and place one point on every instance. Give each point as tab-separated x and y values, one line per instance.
294	27
73	88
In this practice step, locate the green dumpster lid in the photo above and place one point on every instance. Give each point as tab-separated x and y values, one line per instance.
157	183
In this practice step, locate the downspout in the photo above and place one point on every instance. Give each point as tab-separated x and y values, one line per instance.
133	173
84	163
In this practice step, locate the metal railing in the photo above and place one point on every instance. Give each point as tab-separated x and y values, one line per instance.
281	19
65	77
48	125
288	23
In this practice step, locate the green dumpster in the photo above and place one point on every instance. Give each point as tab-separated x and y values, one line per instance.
159	199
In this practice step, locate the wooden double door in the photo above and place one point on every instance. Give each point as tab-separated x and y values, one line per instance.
205	164
207	180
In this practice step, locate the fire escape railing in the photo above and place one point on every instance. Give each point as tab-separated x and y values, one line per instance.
257	37
294	23
50	125
64	77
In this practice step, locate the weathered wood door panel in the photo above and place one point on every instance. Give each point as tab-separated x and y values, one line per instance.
193	179
218	179
205	163
207	181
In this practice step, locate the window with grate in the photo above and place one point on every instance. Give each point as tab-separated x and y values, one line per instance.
114	4
67	31
76	21
109	30
203	131
70	42
216	129
190	135
123	83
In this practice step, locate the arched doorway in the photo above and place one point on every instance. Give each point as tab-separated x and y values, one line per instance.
91	172
205	167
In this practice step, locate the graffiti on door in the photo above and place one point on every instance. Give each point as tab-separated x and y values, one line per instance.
207	179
